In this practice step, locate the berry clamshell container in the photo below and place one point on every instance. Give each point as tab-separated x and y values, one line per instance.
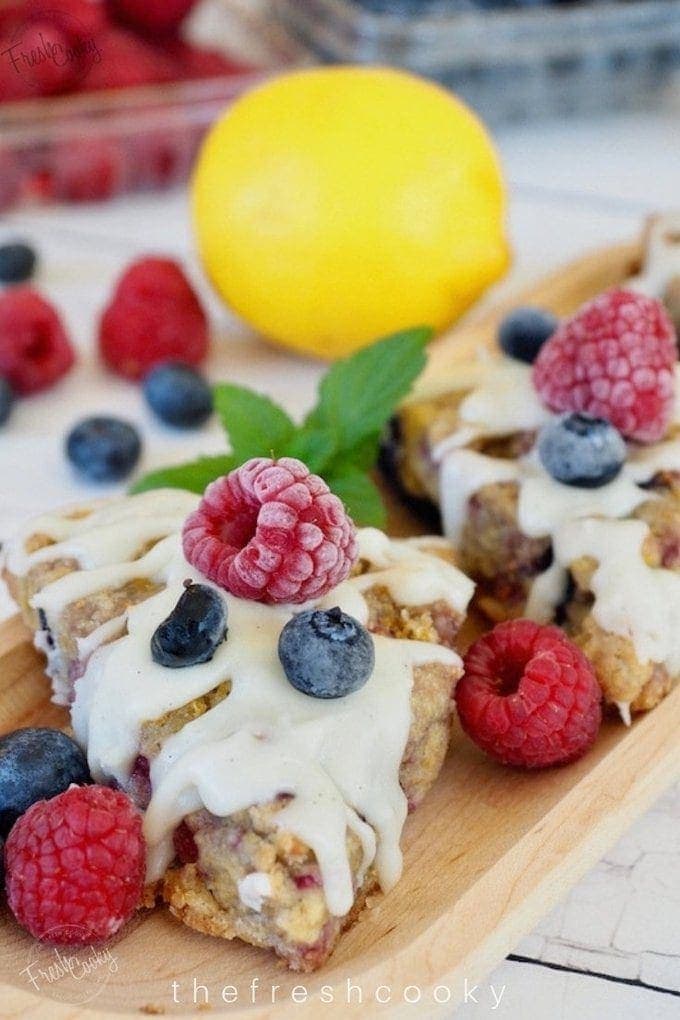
510	63
98	145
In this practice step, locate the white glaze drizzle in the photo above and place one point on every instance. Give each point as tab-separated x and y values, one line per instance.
503	402
662	257
340	759
632	599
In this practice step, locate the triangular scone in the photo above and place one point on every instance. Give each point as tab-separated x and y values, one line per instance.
602	562
269	814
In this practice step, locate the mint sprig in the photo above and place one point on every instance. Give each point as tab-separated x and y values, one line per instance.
339	439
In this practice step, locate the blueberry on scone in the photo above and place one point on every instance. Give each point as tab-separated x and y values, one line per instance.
326	653
523	332
36	763
193	631
578	449
6	400
178	395
103	449
17	262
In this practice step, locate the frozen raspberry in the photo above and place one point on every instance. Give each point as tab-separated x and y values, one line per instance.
75	865
154	316
156	17
529	696
125	60
272	532
615	360
34	349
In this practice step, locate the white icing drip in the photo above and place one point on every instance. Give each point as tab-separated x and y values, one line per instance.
461	474
624	712
61	687
111	531
412	576
254	889
340	758
53	598
633	600
662	258
504	402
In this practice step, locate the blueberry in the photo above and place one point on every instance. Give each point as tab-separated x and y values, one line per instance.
6	400
103	449
178	395
523	332
326	653
194	629
36	764
578	449
17	262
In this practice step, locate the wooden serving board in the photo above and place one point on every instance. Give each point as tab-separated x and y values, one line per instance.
487	855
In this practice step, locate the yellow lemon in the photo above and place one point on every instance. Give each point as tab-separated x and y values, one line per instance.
335	205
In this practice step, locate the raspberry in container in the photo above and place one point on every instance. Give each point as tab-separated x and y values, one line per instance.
103	99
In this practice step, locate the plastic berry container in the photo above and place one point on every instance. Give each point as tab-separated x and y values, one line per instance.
97	145
511	62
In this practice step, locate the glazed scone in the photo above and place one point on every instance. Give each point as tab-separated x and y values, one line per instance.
269	815
527	539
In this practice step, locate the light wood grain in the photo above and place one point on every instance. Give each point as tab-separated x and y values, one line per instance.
486	856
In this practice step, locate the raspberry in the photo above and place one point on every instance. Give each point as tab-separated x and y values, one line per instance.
34	349
88	169
529	696
75	865
614	359
37	52
125	60
81	20
154	316
272	532
156	17
197	62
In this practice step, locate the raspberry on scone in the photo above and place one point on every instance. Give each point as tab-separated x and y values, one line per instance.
529	696
35	351
615	360
271	531
75	865
154	316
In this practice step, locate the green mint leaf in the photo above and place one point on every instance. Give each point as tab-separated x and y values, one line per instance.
194	476
361	497
363	455
359	394
256	426
315	447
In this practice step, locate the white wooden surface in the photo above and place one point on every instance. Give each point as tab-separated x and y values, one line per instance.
574	186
